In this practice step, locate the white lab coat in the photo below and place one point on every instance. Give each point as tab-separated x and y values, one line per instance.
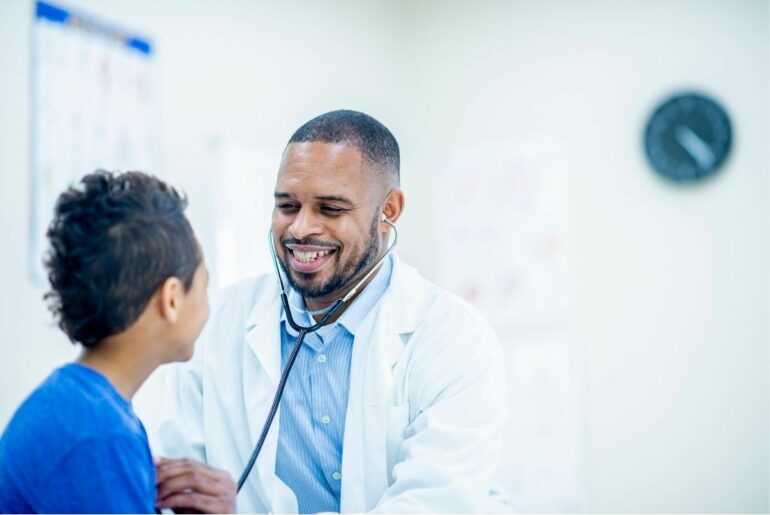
425	414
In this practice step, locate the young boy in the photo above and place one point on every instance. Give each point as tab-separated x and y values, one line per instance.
128	283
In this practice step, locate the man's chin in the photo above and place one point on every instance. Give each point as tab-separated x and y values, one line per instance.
308	285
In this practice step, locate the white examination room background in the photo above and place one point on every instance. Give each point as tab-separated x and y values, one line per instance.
632	312
504	246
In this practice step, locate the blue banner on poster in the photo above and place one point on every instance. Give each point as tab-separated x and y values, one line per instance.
56	14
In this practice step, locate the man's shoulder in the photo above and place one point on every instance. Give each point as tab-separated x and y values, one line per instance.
456	313
436	300
439	309
451	344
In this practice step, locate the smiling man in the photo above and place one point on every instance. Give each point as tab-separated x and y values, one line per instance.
396	404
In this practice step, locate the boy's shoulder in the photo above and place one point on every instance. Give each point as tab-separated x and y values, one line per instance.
73	404
72	410
83	396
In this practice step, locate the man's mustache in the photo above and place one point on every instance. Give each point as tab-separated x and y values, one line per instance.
308	241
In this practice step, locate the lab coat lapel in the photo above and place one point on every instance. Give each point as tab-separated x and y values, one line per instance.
375	350
378	344
263	333
260	380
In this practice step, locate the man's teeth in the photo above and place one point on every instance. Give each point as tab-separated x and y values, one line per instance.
306	257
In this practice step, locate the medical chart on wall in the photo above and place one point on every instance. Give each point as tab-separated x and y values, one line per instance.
501	231
94	105
504	246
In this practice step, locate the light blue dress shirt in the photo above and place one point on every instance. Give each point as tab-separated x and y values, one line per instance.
314	404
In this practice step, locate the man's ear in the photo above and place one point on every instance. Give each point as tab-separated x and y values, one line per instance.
393	205
170	293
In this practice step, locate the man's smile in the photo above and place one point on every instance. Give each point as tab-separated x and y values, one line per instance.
308	259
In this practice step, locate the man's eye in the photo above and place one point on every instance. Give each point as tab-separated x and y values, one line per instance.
331	210
286	207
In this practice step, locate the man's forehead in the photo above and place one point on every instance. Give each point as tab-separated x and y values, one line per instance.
321	153
332	166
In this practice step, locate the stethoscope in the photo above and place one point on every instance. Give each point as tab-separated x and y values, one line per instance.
329	312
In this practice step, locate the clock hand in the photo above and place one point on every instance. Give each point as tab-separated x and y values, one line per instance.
695	146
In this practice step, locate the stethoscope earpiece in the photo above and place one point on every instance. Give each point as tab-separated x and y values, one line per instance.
385	219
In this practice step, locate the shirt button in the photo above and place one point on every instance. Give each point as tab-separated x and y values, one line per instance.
337	476
322	358
325	419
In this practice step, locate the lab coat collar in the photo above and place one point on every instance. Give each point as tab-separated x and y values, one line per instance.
407	296
405	303
262	333
265	305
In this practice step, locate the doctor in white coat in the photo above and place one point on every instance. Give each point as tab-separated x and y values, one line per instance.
421	387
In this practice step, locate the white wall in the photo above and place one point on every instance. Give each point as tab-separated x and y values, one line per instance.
30	345
671	317
669	332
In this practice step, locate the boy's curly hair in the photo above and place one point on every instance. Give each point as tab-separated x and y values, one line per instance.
114	239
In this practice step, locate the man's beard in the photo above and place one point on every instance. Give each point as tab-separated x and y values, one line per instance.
342	275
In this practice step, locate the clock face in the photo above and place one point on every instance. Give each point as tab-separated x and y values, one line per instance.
687	138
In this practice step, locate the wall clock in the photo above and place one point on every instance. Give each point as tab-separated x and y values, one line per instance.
688	137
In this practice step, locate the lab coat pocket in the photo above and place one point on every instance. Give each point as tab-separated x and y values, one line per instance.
397	421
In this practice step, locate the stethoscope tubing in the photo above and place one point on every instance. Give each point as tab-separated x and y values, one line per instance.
273	411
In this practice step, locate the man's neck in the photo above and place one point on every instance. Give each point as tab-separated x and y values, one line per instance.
320	304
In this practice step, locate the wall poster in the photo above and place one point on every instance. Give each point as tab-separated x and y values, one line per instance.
93	105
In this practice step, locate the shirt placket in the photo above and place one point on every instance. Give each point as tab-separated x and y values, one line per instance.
323	413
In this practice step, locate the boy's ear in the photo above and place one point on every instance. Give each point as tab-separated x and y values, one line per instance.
170	293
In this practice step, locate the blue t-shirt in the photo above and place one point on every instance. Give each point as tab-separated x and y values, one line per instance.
76	446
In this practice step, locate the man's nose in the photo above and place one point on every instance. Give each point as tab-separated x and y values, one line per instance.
305	224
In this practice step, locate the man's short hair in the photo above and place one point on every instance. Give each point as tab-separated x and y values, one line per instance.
370	137
114	240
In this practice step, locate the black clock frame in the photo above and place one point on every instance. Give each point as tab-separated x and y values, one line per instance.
688	137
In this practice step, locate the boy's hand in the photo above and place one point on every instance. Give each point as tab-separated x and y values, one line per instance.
189	486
